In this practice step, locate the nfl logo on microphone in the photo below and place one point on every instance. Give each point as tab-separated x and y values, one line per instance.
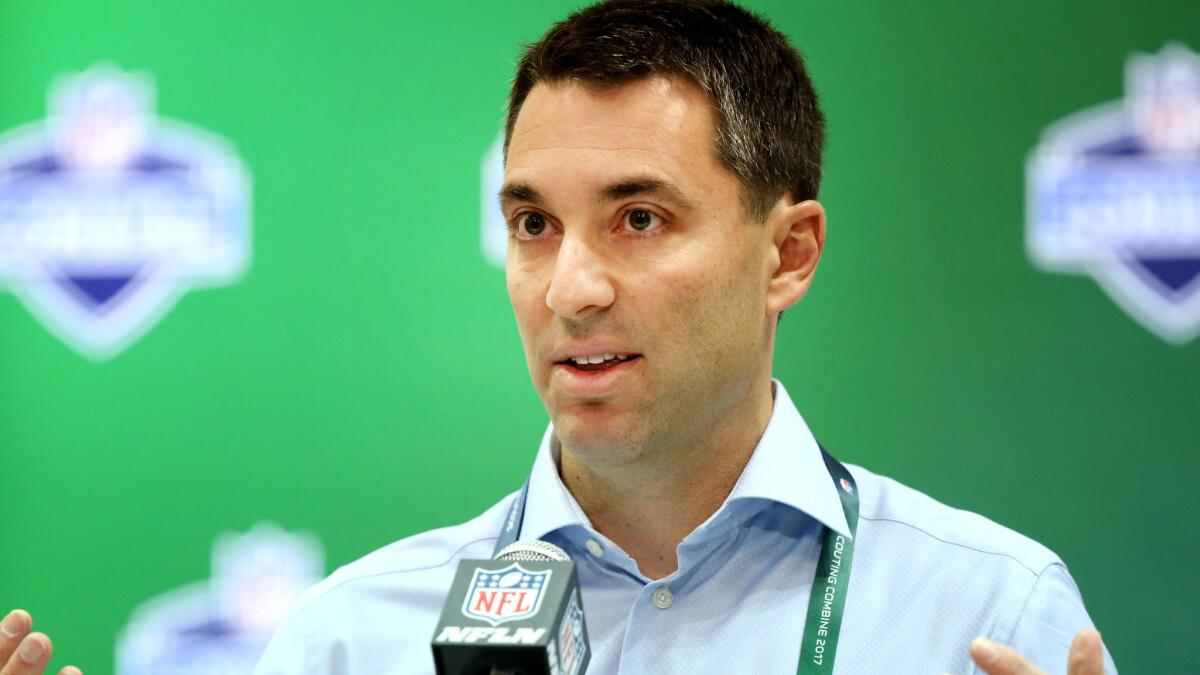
507	594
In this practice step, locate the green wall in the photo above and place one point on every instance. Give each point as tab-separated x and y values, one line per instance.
365	380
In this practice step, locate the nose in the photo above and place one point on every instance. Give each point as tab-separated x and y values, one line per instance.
581	284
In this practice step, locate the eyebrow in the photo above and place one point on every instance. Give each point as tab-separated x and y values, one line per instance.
637	186
519	192
623	189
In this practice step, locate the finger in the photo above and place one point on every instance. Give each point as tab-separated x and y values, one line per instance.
31	657
997	659
1086	656
70	670
13	628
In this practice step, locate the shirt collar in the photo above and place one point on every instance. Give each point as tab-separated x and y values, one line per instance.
786	468
550	505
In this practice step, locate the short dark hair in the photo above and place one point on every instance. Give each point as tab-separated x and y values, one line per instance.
769	128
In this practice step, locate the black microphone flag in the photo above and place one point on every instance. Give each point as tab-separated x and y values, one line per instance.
520	613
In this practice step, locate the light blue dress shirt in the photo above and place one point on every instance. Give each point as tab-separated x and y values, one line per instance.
925	580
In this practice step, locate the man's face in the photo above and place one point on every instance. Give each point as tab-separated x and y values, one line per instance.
628	238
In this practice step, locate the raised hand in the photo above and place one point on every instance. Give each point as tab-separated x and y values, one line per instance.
23	652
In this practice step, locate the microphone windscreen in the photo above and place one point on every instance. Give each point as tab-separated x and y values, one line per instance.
534	549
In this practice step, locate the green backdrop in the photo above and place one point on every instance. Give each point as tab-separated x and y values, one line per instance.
365	380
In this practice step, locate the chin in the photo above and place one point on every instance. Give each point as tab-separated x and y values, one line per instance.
592	429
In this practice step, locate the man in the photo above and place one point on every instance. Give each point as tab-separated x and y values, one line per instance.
662	165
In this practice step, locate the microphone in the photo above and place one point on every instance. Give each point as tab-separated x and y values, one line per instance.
519	614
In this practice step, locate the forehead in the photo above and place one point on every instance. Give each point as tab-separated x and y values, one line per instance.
656	126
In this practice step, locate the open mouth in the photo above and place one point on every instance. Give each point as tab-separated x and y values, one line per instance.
598	362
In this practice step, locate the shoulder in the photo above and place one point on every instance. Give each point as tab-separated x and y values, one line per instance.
415	558
381	609
957	574
892	509
961	573
419	553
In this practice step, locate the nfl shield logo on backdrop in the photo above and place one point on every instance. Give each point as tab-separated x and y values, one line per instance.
1114	192
506	594
108	214
222	625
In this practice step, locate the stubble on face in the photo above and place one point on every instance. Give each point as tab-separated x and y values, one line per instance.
689	301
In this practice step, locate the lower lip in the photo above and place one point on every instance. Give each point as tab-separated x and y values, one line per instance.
594	383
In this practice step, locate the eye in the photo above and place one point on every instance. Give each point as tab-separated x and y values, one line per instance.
642	220
531	224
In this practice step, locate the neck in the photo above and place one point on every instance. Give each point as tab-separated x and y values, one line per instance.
648	505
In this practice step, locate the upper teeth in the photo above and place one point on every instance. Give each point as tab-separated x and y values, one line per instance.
596	358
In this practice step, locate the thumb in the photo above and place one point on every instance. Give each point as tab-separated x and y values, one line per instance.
998	659
1086	656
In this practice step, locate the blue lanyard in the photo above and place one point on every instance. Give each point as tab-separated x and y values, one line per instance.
512	522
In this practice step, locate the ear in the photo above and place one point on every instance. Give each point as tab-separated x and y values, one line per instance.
798	236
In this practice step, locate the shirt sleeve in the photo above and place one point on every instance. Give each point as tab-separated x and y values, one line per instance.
1052	615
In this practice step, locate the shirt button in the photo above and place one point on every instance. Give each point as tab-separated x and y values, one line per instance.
594	548
663	597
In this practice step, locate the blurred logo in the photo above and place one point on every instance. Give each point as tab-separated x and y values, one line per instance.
1114	192
109	214
570	637
222	626
507	594
493	229
849	489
